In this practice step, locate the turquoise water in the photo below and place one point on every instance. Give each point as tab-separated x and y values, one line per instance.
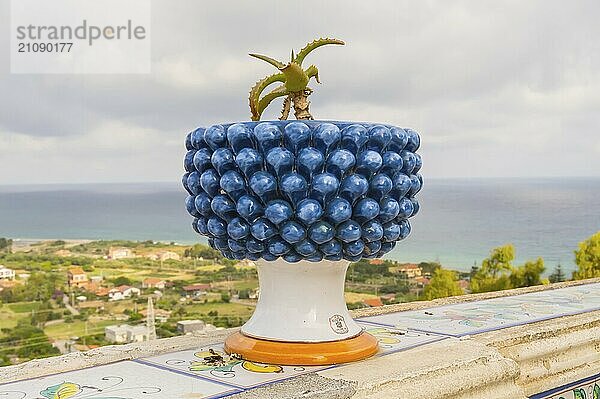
459	222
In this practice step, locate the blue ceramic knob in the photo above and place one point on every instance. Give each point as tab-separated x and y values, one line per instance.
249	161
348	231
197	139
202	160
404	229
326	137
191	207
233	184
388	209
405	208
188	142
201	227
184	182
385	248
240	136
262	229
278	247
254	246
373	247
209	181
391	163
365	209
292	232
415	185
308	211
294	187
216	137
316	257
249	208
235	245
267	136
401	185
338	210
391	232
305	247
379	138
354	248
409	161
339	162
193	183
188	161
221	243
310	162
223	160
354	138
334	258
217	226
368	163
202	203
418	163
238	229
278	211
264	185
416	206
379	186
296	135
399	139
292	257
414	141
372	231
269	257
321	232
331	248
223	207
353	187
324	187
280	161
252	256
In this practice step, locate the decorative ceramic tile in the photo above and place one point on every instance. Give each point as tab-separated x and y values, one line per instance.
588	388
238	373
123	380
394	340
492	314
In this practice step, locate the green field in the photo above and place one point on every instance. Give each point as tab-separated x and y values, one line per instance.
77	328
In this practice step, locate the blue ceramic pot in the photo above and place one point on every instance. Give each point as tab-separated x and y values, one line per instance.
302	190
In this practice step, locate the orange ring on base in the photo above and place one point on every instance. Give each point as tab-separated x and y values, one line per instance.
302	353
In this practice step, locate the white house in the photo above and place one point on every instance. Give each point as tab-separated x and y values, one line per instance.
125	333
6	274
122	292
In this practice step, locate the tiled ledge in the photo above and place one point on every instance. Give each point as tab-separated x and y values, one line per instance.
510	362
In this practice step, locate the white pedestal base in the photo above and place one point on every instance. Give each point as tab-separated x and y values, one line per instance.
301	302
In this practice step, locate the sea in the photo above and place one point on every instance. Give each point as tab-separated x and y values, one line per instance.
460	220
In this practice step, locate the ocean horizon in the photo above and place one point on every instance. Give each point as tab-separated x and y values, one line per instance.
460	220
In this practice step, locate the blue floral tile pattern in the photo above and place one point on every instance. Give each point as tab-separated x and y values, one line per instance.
237	373
492	314
588	388
123	380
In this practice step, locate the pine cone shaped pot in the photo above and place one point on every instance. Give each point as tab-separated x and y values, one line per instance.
303	199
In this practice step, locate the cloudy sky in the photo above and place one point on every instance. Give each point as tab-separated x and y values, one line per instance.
503	88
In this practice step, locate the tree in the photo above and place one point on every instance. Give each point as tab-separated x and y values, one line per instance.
527	275
121	280
495	270
587	258
6	244
558	275
443	284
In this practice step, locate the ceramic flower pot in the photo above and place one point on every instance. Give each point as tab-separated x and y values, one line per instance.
303	199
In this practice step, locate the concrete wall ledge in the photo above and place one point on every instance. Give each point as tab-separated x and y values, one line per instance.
513	363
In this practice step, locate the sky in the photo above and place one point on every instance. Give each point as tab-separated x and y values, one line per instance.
496	89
